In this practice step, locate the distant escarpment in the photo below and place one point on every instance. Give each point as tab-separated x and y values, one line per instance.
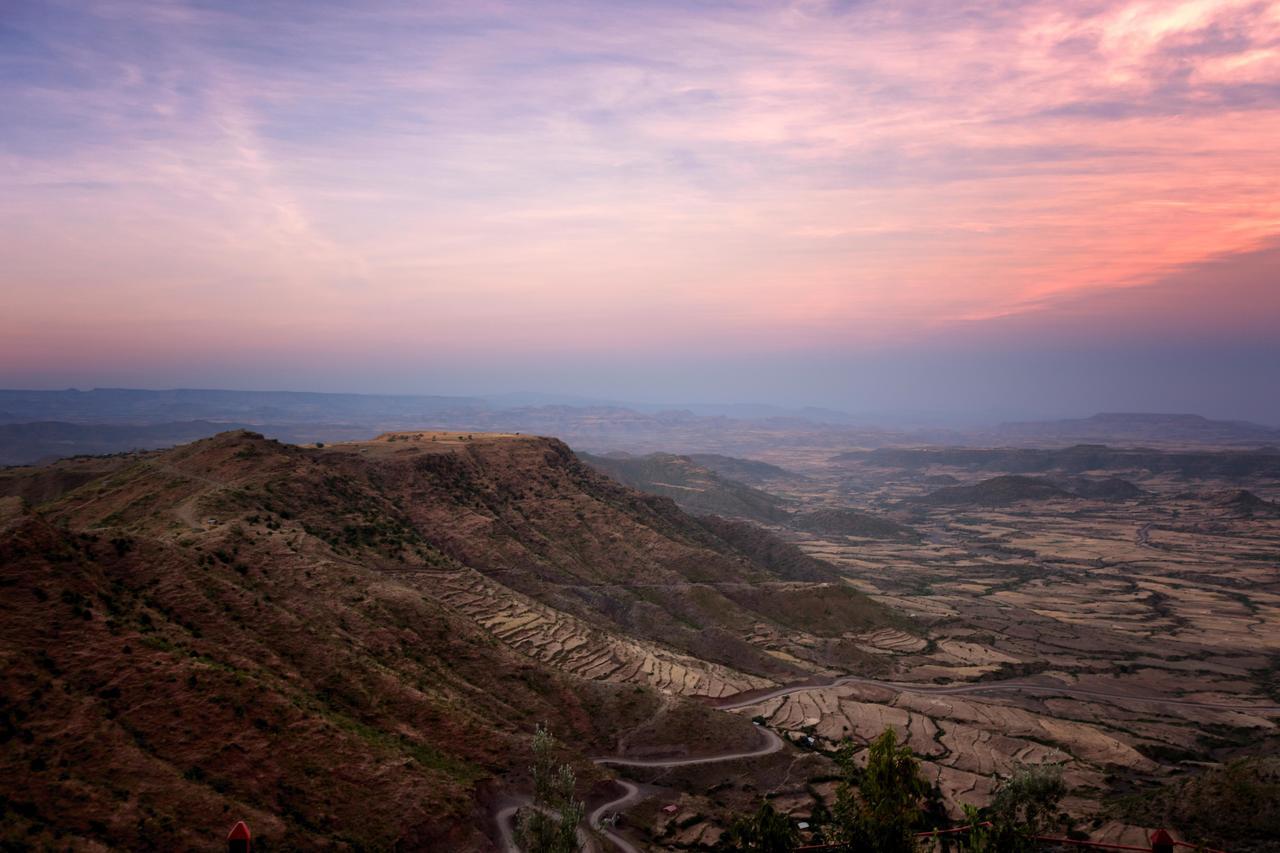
852	522
1140	428
1012	488
1245	504
27	443
1103	488
997	491
1080	459
695	487
743	470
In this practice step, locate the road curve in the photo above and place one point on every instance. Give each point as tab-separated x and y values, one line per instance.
1012	685
506	819
773	743
594	819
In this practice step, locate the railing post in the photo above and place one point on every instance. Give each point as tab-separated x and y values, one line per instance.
239	839
1161	842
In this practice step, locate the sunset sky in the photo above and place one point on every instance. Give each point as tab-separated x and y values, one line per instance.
1033	208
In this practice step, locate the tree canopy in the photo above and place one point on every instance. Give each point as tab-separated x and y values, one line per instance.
878	807
550	825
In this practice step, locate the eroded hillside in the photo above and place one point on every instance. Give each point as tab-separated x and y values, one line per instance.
350	644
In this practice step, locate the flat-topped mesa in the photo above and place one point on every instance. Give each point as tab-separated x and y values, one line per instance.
241	592
440	435
425	441
522	510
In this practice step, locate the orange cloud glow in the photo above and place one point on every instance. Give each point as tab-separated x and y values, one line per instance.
516	179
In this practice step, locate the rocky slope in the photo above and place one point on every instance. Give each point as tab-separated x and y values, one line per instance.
750	471
696	488
349	645
852	522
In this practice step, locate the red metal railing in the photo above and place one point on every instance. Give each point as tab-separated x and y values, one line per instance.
1047	839
238	841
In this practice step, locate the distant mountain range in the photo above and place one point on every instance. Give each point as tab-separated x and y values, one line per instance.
1138	427
127	405
42	425
1079	459
1015	488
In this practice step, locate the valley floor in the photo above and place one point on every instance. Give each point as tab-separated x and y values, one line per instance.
1134	642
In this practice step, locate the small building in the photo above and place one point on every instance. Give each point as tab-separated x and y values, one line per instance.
670	808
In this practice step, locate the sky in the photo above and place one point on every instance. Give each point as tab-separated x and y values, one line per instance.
1041	208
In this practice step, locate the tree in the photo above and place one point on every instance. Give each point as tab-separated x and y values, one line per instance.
1025	805
765	832
979	838
878	808
551	824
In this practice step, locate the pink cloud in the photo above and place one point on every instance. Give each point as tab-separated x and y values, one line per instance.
486	178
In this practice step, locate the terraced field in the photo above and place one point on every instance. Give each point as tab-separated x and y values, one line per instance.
572	645
1168	598
1141	632
965	741
1145	633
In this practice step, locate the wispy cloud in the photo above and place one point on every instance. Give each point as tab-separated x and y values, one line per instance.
445	178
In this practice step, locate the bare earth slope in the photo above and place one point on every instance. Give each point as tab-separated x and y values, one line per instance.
528	513
231	628
349	645
750	471
695	487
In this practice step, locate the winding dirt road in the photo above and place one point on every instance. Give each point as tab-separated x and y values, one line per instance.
505	817
773	742
596	819
506	820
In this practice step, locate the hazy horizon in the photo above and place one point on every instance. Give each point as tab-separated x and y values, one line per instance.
744	408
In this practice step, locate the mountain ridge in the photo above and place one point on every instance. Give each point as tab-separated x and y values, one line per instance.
198	626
